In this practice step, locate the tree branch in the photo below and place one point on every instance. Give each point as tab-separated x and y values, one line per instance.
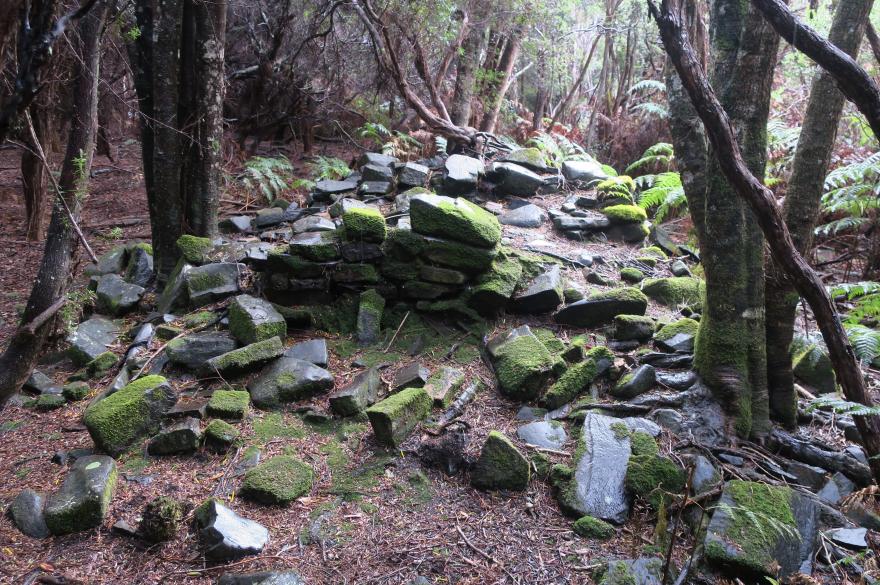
763	204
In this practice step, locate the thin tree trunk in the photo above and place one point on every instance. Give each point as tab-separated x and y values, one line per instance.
466	75
763	205
50	285
873	41
496	90
34	180
559	114
810	165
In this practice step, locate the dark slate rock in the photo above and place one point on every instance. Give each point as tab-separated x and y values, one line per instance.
705	475
376	188
462	173
115	296
374	172
678	343
27	513
91	338
84	497
262	578
583	171
668	418
809	476
837	488
313	223
347	204
361	252
38	382
313	351
140	267
677	380
288	379
851	538
375	158
590	224
413	174
600	308
545	434
543	294
240	224
182	437
212	282
266	218
328	187
679	268
513	179
671	361
361	392
226	536
253	319
112	261
194	350
415	375
527	216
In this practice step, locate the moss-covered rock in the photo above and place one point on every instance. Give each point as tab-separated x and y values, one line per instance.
403	245
522	363
650	476
364	224
501	466
577	378
457	219
198	319
464	257
315	246
46	402
560	474
195	250
84	497
675	291
811	365
631	275
670	330
252	319
394	418
369	320
101	364
277	481
601	307
494	288
654	251
162	518
623	214
220	435
229	404
75	390
167	332
590	527
118	421
245	358
633	327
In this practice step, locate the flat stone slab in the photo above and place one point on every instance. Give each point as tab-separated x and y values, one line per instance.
288	380
262	578
543	433
527	216
225	535
194	350
313	351
91	338
360	393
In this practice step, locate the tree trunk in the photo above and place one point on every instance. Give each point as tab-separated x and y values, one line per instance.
50	285
811	160
34	180
497	87
541	92
466	75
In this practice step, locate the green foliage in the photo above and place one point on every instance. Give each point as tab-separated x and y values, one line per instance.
269	175
77	300
854	191
663	193
392	143
782	141
656	159
557	149
840	406
328	167
866	295
649	88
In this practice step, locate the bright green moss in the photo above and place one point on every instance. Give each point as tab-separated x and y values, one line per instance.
220	435
650	476
618	573
198	319
229	404
675	291
572	383
246	357
394	418
560	474
550	340
194	249
162	519
686	326
364	224
619	187
631	275
460	220
148	248
522	367
101	364
590	527
647	261
324	250
618	214
654	251
75	390
403	245
464	257
46	402
494	287
278	481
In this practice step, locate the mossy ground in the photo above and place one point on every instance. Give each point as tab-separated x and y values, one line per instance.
229	404
278	480
590	527
650	476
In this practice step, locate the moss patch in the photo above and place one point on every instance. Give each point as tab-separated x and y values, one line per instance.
75	390
278	480
229	404
619	214
501	466
195	250
650	476
162	519
631	275
576	379
458	219
675	291
364	224
590	527
394	418
220	435
522	366
687	326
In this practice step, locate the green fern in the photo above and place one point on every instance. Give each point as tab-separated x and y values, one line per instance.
663	193
648	85
269	175
328	167
557	149
835	404
616	187
658	158
651	109
866	297
854	191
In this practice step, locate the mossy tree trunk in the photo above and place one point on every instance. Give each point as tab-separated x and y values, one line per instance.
810	165
468	64
730	350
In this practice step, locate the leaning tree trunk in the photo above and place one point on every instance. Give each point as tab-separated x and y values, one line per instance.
811	160
50	285
497	86
34	181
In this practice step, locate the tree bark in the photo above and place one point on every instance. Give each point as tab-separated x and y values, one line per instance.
805	187
760	199
559	114
33	179
873	41
497	86
54	273
468	63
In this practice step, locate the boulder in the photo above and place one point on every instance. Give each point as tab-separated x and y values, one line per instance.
457	219
548	434
313	351
501	466
226	536
161	519
530	158
176	439
38	382
277	481
601	307
118	421
376	172
244	359
324	189
240	224
633	327
110	262
542	295
91	338
675	292
229	404
444	384
26	511
635	383
525	216
288	380
516	180
192	351
375	158
313	223
84	497
522	363
253	319
220	436
677	337
360	393
415	375
812	366
369	318
677	380
212	282
364	224
140	266
462	174
583	171
394	418
413	175
641	571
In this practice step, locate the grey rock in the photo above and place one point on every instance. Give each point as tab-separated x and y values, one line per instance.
361	252
542	295
317	246
594	311
444	384
705	475
530	413
140	267
115	296
91	338
253	319
677	380
288	380
27	514
527	216
376	188
415	375
224	535
590	224
240	224
178	438
667	360
269	217
192	351
599	279
413	175
313	223
38	382
262	578
110	262
212	282
328	187
837	488
313	351
583	171
462	173
513	179
809	476
84	497
642	425
347	204
361	392
584	259
678	343
375	172
530	158
679	268
375	158
543	433
245	358
851	538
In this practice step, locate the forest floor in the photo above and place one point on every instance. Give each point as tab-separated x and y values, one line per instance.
373	517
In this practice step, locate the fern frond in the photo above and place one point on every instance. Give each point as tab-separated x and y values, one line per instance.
648	85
